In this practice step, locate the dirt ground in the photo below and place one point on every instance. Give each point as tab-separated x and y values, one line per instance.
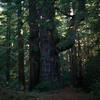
63	94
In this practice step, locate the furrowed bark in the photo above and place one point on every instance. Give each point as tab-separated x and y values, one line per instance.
49	56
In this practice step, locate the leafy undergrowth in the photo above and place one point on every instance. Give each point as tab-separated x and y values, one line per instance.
63	94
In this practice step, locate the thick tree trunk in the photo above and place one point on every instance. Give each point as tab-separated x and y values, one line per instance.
49	56
34	56
20	49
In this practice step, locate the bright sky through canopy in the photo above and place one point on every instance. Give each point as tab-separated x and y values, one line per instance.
1	9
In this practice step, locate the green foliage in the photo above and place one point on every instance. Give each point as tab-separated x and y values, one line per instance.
93	69
92	76
96	90
88	30
13	84
66	79
45	86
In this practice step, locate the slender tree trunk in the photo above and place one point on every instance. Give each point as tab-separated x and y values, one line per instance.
8	63
34	56
73	56
81	11
73	59
49	56
75	23
80	76
20	48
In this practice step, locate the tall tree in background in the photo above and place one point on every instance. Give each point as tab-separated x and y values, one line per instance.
20	47
76	63
34	51
8	41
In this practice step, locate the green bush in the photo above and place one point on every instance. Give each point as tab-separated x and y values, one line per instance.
45	86
13	84
92	71
66	79
96	90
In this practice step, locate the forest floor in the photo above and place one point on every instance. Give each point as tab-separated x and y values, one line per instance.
63	94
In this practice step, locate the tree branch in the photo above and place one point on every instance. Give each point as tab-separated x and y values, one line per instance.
65	43
63	12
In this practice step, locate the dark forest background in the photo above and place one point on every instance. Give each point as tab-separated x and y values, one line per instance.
46	45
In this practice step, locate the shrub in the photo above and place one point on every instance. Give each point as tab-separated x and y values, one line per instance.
96	90
45	86
92	71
